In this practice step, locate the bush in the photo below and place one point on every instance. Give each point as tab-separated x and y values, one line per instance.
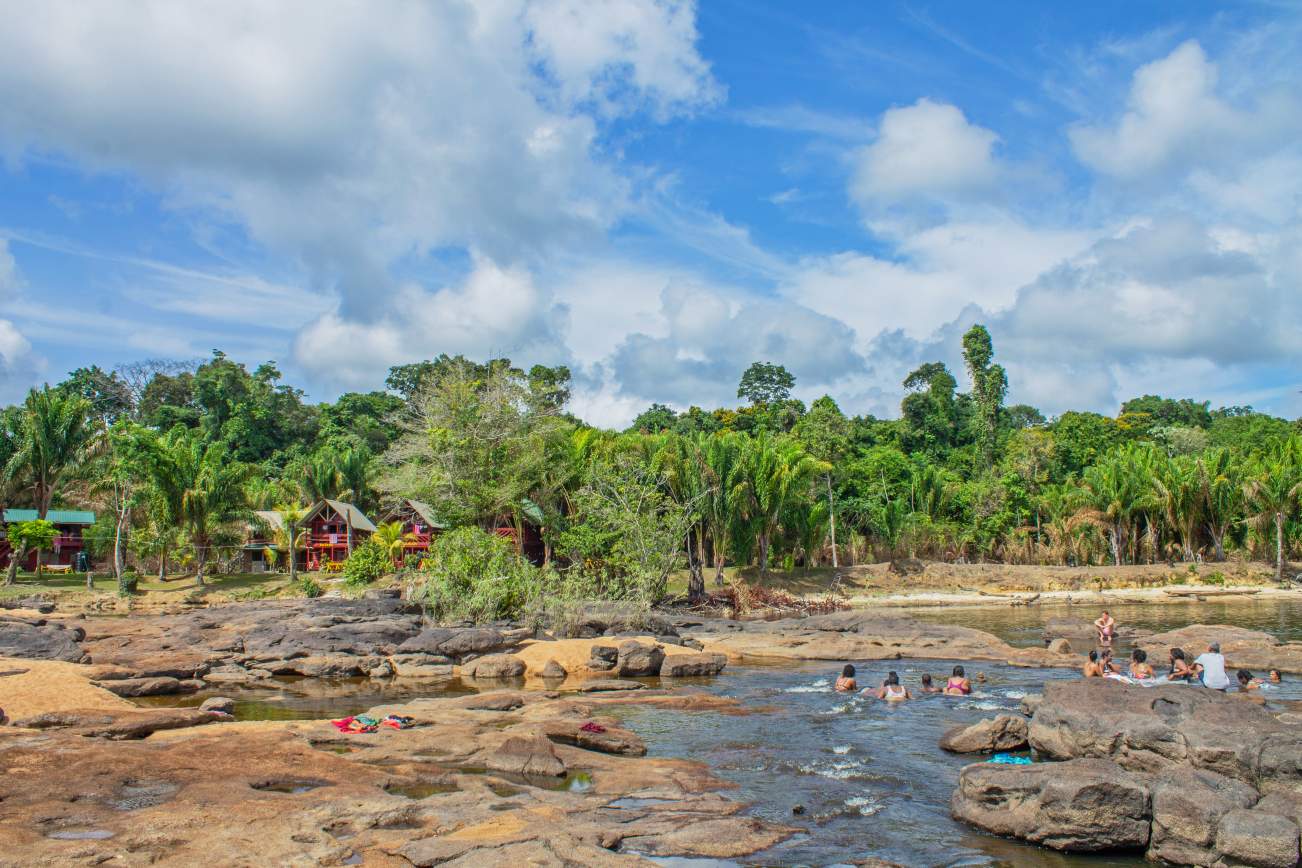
368	562
308	587
127	583
478	576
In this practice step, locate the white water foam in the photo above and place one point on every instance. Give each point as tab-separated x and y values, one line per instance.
864	805
819	686
841	749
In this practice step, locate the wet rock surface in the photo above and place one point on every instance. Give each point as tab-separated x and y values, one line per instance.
39	639
1191	776
1003	733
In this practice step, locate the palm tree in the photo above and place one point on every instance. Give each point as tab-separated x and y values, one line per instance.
1178	487
775	470
291	535
320	479
202	489
391	538
1115	491
353	465
721	453
54	434
681	462
1221	487
1272	493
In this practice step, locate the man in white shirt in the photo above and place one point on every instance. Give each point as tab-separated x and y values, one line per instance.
1211	668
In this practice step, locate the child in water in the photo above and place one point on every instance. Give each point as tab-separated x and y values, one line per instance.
892	690
958	684
1180	669
1246	681
1139	666
927	686
846	683
1275	676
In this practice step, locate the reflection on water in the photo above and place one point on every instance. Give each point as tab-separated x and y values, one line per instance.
1024	625
297	698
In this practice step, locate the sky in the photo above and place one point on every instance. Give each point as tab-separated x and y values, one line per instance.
658	193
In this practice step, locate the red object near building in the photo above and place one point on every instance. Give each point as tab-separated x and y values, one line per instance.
68	543
330	530
419	525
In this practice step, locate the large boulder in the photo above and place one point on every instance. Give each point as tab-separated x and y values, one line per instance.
639	658
1188	806
691	665
1258	839
494	666
145	686
41	640
1005	732
590	736
531	754
1078	806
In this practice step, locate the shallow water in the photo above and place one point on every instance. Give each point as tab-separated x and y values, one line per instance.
1024	625
868	774
297	698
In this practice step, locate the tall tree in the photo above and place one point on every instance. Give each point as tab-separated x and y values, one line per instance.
989	385
54	433
1274	486
765	383
826	434
774	471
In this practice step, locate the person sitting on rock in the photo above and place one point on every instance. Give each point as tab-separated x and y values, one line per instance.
1180	670
927	686
1106	626
1139	665
1210	668
1092	668
958	684
892	690
1246	681
846	682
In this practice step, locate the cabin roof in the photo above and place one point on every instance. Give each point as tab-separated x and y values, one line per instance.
355	518
424	510
270	518
58	516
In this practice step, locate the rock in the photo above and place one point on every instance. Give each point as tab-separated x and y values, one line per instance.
494	666
501	701
605	654
41	640
142	686
553	669
118	725
1258	839
688	665
1002	733
601	685
382	594
526	755
639	659
36	604
1059	646
611	739
223	704
1078	806
1030	702
1187	808
908	566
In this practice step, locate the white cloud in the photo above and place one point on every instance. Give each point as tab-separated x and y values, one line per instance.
926	149
18	364
355	138
1177	119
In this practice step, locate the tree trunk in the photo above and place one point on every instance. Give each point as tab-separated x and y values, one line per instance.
718	564
1113	535
293	553
831	517
764	553
200	559
1218	542
119	555
15	558
349	525
1279	546
162	564
695	579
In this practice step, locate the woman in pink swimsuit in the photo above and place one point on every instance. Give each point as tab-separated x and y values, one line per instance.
958	685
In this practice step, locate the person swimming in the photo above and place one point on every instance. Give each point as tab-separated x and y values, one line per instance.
1092	667
1275	676
1180	670
1139	665
958	685
1246	681
892	690
846	682
927	686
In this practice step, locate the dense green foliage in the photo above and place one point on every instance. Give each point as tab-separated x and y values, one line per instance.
369	561
175	457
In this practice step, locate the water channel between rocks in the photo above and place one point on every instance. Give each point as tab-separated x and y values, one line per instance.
867	777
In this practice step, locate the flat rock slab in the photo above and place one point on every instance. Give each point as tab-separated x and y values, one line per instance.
693	665
119	725
602	685
41	640
610	739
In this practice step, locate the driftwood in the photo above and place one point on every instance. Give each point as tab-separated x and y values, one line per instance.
1221	592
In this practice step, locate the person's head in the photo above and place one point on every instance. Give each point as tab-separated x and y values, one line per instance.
1094	657
958	672
1244	676
926	679
1215	647
1107	653
1105	614
1177	654
892	679
1139	655
1276	676
848	671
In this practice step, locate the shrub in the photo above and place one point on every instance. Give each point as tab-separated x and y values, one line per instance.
368	562
477	576
308	587
127	583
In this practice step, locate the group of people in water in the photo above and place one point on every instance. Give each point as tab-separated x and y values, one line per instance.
891	690
1208	669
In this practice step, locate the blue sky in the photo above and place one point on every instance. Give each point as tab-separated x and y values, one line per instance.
658	193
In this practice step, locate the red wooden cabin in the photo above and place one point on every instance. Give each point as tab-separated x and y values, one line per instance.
419	525
333	529
68	542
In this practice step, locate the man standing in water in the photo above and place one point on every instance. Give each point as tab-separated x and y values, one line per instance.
1211	668
1106	627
